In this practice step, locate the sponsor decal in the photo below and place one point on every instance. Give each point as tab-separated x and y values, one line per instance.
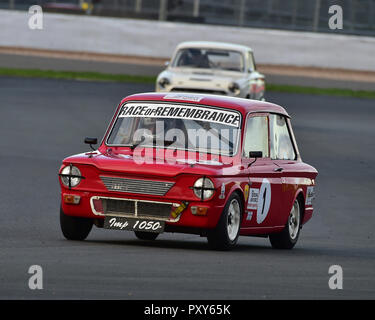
222	191
249	216
252	195
253	199
246	192
185	97
158	110
175	213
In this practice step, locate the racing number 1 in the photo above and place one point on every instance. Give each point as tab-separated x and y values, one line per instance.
264	200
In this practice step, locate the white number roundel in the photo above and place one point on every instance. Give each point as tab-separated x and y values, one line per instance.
264	200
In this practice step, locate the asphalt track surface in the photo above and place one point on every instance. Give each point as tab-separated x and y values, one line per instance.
19	61
42	121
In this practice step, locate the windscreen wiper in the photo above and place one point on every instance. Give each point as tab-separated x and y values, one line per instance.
165	142
134	145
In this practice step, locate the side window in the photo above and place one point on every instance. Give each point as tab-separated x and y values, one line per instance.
123	128
251	61
281	143
256	136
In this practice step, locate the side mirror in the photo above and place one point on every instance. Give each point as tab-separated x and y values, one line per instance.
255	154
250	70
91	141
166	63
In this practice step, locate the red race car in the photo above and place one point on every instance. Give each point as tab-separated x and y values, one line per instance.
215	166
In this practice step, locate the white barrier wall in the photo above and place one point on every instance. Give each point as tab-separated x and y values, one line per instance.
158	39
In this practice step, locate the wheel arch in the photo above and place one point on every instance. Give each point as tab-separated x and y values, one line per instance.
301	198
238	190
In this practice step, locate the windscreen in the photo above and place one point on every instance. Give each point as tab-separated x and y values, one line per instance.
210	59
186	127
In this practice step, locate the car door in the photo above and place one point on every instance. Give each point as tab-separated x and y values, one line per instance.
264	192
285	156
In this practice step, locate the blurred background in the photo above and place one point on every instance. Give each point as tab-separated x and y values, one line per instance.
303	15
62	83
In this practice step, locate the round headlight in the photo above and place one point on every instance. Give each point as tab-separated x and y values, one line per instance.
235	88
70	176
164	82
204	188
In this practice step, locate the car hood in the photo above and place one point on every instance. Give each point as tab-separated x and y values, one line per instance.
204	77
127	164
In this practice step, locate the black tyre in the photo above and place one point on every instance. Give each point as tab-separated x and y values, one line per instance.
146	235
225	235
287	238
75	228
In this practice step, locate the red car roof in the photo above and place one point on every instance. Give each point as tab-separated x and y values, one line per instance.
239	104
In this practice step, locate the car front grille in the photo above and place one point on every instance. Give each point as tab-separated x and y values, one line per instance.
118	206
149	187
136	208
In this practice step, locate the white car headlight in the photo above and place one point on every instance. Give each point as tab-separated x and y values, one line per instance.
164	82
204	188
70	176
235	88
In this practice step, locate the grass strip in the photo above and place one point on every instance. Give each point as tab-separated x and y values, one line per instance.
76	75
97	76
321	91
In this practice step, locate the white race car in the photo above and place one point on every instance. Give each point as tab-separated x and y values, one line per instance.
214	68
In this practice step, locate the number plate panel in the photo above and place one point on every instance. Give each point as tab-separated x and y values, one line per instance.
134	224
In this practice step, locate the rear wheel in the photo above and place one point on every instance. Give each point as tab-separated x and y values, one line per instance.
287	238
75	228
146	235
225	235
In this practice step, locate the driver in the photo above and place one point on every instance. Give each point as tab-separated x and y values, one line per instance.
194	58
178	132
199	60
147	127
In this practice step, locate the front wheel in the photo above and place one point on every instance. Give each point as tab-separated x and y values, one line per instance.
287	238
75	228
225	235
